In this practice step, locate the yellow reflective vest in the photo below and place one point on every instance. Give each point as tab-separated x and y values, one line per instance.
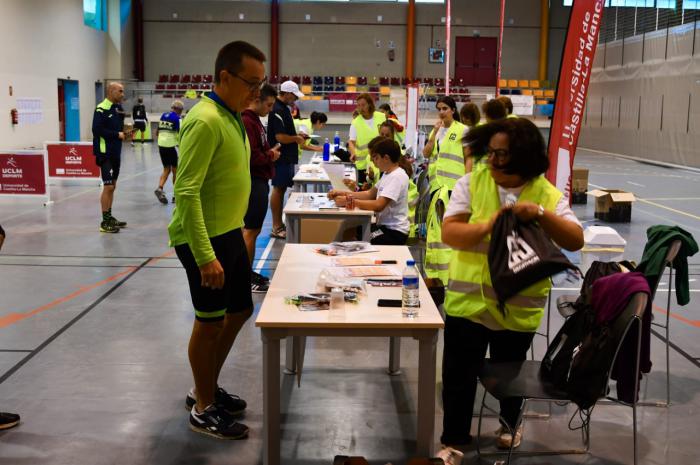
437	253
469	291
309	127
412	204
364	136
447	160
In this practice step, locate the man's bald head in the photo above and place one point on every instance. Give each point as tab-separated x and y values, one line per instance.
115	92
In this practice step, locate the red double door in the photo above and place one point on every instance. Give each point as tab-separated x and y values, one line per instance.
476	60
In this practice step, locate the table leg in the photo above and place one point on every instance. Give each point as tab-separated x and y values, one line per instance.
425	428
290	364
292	224
366	228
271	399
394	356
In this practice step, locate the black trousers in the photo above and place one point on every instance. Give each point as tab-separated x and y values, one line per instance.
463	356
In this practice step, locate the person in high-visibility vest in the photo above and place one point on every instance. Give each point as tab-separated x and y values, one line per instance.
516	161
364	128
399	130
449	161
308	126
508	103
168	134
444	147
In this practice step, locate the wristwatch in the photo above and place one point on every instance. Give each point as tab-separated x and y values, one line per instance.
540	210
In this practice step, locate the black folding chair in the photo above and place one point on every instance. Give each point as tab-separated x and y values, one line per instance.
521	379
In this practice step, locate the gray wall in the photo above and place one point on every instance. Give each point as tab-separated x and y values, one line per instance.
341	39
644	98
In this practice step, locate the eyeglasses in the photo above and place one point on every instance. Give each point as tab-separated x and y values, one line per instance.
501	156
252	86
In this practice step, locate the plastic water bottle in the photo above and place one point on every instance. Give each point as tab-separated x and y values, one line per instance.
410	301
336	141
326	150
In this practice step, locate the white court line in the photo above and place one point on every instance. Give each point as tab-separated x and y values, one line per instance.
636	184
263	257
127	178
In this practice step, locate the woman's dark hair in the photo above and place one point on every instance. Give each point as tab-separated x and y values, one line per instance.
387	124
318	117
507	102
528	151
450	102
406	166
387	108
470	114
494	110
385	146
230	57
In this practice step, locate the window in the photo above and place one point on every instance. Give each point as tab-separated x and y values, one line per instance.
95	14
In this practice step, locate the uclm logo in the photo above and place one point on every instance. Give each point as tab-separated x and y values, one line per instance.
11	170
73	158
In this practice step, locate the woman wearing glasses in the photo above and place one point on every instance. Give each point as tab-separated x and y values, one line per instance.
516	162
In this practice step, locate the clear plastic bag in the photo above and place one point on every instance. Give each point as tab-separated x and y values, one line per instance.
346	248
334	277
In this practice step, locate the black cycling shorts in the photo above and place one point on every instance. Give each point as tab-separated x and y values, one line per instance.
140	126
109	168
235	297
168	156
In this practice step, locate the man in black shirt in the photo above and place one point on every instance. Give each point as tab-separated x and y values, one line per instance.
280	128
138	113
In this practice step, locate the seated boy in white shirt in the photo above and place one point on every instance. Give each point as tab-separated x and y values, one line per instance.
389	198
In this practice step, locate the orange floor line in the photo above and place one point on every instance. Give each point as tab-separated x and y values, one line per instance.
13	318
695	323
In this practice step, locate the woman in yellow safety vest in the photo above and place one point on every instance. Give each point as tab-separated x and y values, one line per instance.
448	157
470	115
399	130
364	128
311	125
513	178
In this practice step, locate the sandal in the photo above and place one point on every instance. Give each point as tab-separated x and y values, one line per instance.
279	233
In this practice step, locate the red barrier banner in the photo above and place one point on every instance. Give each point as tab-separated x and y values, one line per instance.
22	173
68	160
574	75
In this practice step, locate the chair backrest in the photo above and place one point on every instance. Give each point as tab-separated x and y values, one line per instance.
671	254
623	323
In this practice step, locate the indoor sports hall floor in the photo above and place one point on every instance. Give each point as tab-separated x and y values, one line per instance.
94	330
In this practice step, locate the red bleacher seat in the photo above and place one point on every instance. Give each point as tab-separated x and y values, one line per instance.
194	86
340	80
395	81
186	78
383	81
362	80
374	89
274	79
297	79
283	79
404	81
167	95
172	86
183	86
197	78
160	86
163	78
174	78
208	78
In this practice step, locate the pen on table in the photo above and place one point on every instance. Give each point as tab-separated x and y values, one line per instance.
385	262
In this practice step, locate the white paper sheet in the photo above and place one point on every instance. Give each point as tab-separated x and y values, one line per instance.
336	174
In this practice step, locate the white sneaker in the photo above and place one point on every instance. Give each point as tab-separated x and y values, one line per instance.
504	438
450	456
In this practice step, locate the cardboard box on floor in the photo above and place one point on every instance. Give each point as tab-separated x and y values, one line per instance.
613	205
579	185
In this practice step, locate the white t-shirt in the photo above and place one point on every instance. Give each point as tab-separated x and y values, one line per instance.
353	130
460	201
394	186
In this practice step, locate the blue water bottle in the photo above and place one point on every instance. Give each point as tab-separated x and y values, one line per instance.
336	141
326	150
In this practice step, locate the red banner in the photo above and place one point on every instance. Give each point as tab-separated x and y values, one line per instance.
22	173
71	161
343	102
574	75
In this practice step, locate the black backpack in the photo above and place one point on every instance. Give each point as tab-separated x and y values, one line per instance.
579	358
